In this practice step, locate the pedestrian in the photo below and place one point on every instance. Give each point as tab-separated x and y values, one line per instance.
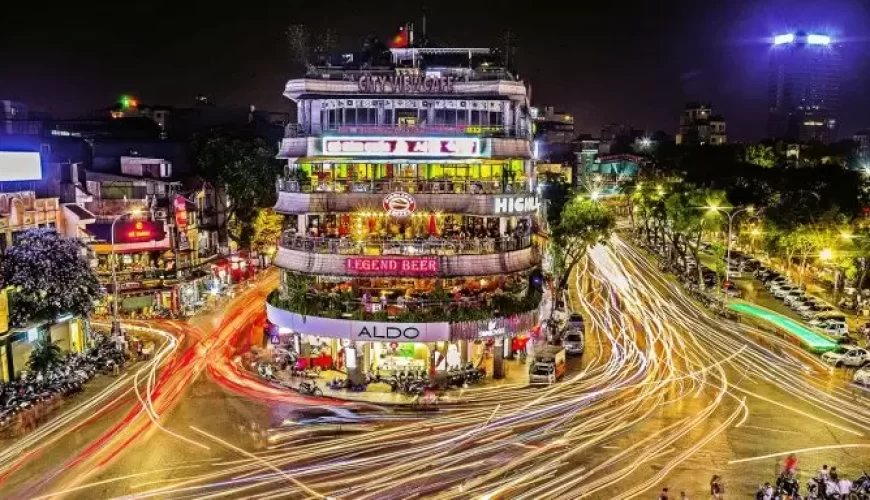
683	496
664	495
834	476
716	487
824	473
790	464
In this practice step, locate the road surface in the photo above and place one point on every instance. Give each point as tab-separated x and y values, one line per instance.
669	396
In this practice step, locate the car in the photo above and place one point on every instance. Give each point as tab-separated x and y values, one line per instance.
828	316
784	290
751	265
732	291
734	272
819	308
797	302
312	421
847	355
575	320
809	301
791	296
834	329
776	283
862	376
573	341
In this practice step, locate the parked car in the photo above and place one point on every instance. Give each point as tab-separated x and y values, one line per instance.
791	296
823	317
734	272
781	292
777	282
573	341
847	355
809	302
834	329
862	376
798	302
816	310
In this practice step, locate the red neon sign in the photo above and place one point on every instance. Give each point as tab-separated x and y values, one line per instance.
403	266
139	231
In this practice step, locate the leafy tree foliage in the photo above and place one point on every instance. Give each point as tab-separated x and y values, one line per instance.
245	164
583	223
48	276
761	155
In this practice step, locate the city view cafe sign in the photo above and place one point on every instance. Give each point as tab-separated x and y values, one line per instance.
406	84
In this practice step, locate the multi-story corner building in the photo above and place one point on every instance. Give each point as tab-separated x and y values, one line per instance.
804	87
698	126
410	203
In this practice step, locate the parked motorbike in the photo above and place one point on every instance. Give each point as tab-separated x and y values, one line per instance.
307	388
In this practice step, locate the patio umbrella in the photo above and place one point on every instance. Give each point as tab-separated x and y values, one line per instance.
433	225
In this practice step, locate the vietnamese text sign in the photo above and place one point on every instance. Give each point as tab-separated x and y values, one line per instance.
402	146
139	231
405	266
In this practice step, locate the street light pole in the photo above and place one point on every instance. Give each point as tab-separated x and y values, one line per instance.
731	215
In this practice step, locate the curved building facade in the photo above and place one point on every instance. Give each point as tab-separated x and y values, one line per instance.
410	200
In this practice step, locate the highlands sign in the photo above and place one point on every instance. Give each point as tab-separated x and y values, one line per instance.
406	84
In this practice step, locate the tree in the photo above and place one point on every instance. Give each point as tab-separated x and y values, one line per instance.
761	155
298	39
267	230
48	276
245	164
45	353
584	223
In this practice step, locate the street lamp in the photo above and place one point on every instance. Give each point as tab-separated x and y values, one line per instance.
826	254
731	215
595	195
116	321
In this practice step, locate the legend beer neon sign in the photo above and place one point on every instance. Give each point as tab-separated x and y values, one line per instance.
402	146
402	266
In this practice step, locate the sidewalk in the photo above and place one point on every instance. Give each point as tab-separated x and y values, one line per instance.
516	373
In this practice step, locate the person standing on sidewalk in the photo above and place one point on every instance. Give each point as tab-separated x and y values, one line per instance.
716	487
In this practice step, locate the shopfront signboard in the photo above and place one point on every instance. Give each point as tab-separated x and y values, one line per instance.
399	204
360	331
406	84
405	147
180	206
139	231
404	266
513	205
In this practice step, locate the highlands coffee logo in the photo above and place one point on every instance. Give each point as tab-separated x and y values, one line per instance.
390	332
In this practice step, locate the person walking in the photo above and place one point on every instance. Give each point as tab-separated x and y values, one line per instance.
716	487
664	494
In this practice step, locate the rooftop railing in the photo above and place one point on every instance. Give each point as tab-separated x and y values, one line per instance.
455	186
294	130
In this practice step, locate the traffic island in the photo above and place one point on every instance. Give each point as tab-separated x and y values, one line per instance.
811	340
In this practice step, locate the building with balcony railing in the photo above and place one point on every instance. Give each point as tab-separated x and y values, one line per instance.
410	203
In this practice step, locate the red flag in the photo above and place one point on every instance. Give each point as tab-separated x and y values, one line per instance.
400	41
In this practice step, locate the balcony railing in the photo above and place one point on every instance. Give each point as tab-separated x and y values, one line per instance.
432	246
293	130
477	186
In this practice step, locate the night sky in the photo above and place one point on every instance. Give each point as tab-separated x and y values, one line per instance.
605	61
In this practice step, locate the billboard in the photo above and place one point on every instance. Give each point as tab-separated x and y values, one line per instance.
139	231
441	147
20	166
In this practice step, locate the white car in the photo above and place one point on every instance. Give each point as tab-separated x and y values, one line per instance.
733	272
777	282
798	302
779	286
862	376
807	304
792	296
847	355
818	309
781	292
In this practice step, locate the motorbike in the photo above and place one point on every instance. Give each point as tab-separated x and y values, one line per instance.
307	388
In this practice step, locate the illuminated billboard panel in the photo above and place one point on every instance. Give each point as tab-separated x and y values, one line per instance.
402	146
20	166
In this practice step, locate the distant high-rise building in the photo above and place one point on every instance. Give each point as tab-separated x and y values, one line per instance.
804	87
698	125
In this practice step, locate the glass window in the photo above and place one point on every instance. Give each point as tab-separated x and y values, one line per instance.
388	117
